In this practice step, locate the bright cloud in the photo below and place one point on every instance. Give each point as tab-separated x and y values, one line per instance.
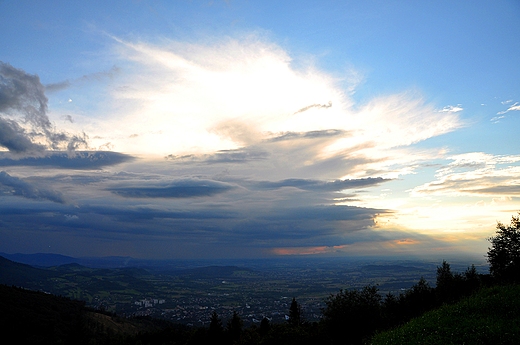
475	173
183	99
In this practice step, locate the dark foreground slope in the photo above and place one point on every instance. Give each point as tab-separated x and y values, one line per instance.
490	316
31	317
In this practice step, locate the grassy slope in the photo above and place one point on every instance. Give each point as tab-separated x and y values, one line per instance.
491	316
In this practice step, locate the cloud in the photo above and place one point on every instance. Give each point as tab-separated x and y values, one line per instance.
224	156
221	162
475	173
15	139
315	185
175	189
514	107
19	187
67	160
54	87
68	118
325	106
368	243
234	101
23	95
328	133
497	119
451	109
98	76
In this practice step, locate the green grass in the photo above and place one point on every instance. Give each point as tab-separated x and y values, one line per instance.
491	316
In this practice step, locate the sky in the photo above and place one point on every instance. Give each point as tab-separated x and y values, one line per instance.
256	129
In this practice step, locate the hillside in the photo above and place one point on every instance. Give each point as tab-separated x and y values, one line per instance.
491	316
40	318
13	273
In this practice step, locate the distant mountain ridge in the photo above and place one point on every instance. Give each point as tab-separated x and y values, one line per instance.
53	265
41	259
50	260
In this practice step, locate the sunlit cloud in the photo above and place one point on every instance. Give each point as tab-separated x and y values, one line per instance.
177	99
242	100
475	173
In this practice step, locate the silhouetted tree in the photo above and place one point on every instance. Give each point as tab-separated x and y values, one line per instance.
351	316
417	300
215	325
265	326
295	313
234	327
446	289
391	310
444	275
504	254
472	279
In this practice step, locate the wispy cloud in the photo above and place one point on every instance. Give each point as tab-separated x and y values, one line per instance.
514	107
319	106
98	76
497	119
452	109
475	173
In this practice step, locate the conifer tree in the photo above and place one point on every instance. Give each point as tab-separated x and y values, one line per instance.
295	316
234	326
215	324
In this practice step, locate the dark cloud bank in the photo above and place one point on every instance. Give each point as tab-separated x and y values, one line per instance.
177	189
16	186
23	115
68	160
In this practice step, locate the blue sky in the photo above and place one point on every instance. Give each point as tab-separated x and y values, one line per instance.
230	129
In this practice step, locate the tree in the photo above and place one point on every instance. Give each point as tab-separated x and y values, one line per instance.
215	324
451	287
265	326
444	275
234	327
295	313
504	254
472	279
445	282
352	315
418	299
